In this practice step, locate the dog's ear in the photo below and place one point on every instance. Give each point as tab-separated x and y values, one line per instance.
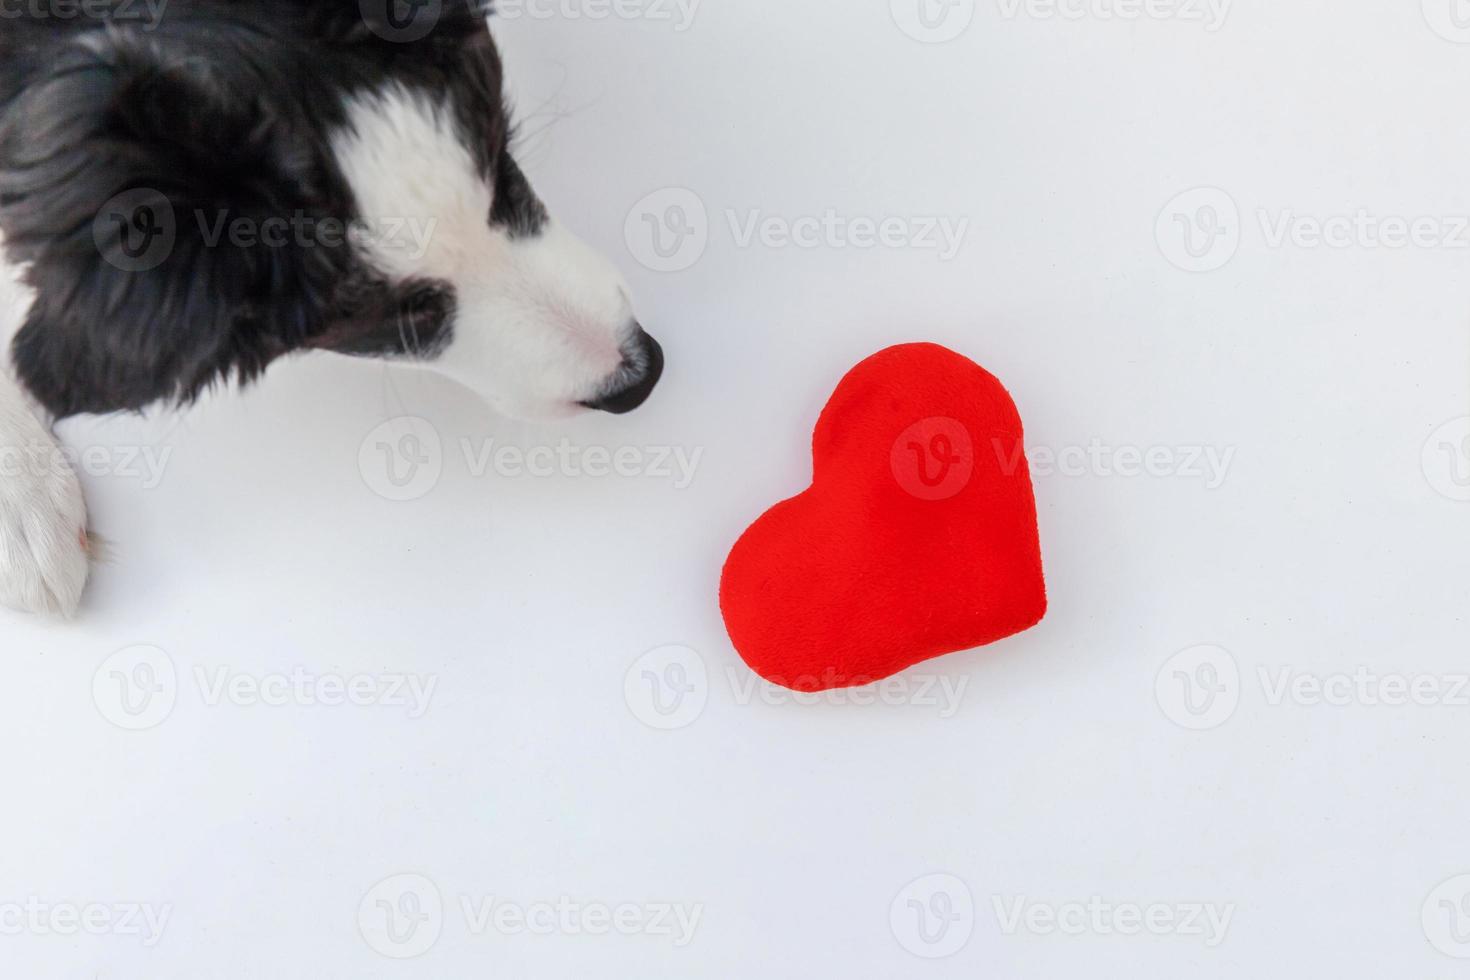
121	174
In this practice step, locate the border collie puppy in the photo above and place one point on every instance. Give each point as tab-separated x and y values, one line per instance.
193	188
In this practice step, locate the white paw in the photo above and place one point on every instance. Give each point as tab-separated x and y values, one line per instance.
44	558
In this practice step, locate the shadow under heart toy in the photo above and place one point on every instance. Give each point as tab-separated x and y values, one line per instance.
917	537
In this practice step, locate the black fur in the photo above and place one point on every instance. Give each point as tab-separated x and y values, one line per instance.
220	111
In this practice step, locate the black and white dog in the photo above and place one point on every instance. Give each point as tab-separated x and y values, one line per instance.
190	189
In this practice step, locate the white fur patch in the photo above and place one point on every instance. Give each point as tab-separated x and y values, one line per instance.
15	301
542	320
43	561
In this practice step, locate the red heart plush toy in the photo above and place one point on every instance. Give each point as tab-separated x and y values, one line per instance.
917	537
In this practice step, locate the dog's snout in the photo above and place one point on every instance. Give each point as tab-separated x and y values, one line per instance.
643	366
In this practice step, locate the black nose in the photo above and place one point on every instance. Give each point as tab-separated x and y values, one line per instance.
643	366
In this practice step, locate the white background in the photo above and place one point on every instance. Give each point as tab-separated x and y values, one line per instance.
1064	773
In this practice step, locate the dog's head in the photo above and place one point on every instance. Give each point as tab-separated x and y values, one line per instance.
243	179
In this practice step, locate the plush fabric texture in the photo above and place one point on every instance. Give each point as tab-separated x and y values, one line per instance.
917	537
